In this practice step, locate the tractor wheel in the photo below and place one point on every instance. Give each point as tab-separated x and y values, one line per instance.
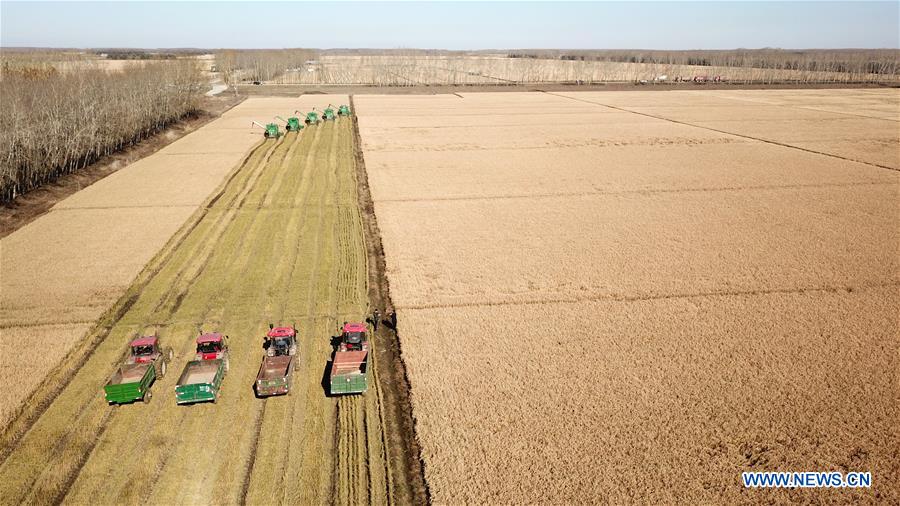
163	367
147	396
266	135
169	354
226	364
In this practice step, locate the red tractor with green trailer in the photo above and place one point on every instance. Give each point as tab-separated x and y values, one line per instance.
145	362
277	368
349	364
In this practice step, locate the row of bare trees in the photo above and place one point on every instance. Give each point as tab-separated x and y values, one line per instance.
863	65
53	123
239	66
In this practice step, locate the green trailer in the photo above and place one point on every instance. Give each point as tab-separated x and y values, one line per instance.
200	381
349	364
130	383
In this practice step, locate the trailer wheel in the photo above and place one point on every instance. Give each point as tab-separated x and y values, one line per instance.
147	396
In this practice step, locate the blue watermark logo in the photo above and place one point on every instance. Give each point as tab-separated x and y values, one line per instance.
811	479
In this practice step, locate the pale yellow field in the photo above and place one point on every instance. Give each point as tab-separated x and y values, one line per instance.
60	273
634	297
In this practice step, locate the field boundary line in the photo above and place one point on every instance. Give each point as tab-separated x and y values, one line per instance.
672	296
759	139
639	192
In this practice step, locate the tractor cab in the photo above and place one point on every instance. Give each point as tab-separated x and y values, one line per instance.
281	341
344	110
353	337
211	346
144	350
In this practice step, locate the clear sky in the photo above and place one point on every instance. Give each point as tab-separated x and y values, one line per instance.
468	25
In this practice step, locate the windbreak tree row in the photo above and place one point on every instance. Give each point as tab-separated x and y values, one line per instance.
55	123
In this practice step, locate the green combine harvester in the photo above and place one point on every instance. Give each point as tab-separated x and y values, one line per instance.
312	117
344	110
328	114
291	124
270	130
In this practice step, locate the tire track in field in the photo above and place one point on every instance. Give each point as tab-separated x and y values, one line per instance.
289	496
305	176
62	470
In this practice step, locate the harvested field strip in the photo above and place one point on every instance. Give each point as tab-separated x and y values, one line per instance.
755	138
282	243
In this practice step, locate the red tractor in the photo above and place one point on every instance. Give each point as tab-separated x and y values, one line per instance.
281	341
146	350
212	346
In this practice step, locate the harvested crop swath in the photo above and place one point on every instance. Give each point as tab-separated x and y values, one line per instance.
634	297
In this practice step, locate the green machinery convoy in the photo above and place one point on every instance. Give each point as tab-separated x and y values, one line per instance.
295	124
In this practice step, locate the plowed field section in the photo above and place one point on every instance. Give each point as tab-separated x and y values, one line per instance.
283	243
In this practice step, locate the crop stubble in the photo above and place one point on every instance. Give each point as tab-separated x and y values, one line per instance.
638	305
282	243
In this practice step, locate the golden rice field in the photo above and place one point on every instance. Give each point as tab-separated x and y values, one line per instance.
634	297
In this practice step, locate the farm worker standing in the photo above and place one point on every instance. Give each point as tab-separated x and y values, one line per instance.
375	317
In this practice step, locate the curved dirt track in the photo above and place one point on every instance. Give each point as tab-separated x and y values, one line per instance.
284	243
